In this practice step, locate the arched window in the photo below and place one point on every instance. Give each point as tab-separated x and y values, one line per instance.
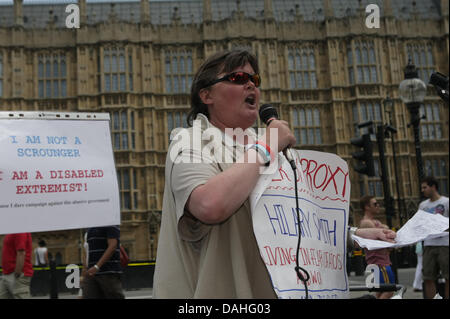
127	181
365	62
123	130
422	57
51	71
302	68
431	125
178	71
307	125
115	72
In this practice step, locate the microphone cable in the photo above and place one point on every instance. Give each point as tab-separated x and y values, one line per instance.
299	269
268	113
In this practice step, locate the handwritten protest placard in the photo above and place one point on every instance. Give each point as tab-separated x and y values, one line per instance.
56	174
324	193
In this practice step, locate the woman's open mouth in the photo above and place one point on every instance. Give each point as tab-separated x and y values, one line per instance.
251	100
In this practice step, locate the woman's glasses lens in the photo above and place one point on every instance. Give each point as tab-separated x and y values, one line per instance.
239	78
242	78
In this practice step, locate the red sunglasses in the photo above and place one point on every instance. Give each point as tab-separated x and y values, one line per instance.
239	78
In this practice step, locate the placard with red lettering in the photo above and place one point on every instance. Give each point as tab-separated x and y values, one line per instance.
323	201
56	175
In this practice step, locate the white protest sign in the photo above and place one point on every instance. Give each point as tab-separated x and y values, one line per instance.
56	173
324	193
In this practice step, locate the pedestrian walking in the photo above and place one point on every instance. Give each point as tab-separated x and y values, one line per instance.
41	254
102	280
17	266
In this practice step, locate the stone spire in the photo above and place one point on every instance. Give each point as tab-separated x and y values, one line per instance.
145	11
18	12
83	11
327	9
207	13
388	8
176	19
239	14
268	10
361	9
444	8
414	11
112	13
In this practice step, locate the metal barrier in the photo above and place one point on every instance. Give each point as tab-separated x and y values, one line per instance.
52	280
382	288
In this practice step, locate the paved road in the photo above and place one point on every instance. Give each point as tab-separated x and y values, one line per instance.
405	277
129	294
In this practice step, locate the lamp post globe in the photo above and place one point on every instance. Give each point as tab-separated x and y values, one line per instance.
412	90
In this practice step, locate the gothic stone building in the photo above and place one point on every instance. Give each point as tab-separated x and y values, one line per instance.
321	66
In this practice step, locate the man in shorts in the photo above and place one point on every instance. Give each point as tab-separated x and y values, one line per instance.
379	257
435	250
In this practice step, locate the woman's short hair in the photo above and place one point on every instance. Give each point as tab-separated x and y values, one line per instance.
221	62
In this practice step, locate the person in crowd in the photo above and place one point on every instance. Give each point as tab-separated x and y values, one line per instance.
102	273
17	267
435	250
378	257
85	262
418	281
207	248
41	254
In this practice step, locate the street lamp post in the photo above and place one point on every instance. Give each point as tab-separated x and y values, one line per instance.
388	200
388	104
412	91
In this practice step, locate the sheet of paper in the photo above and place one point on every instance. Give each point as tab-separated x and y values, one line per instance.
422	225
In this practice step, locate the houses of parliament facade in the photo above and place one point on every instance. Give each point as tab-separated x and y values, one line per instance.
321	65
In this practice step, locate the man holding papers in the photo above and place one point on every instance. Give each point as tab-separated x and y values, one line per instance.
435	253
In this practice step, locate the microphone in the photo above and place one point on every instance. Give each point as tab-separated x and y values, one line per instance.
267	113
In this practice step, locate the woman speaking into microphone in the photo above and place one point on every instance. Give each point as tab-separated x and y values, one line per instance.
207	248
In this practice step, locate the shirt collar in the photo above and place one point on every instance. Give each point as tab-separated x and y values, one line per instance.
227	139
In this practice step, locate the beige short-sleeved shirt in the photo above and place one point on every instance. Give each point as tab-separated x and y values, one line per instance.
195	260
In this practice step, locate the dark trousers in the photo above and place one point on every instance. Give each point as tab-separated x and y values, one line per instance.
103	286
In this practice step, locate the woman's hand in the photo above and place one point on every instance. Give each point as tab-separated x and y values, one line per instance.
279	136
